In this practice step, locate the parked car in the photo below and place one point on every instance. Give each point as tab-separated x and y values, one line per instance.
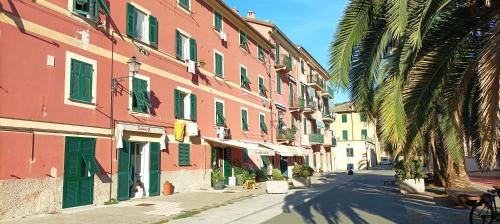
385	162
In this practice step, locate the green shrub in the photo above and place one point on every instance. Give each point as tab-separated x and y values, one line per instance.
409	169
277	175
302	171
217	176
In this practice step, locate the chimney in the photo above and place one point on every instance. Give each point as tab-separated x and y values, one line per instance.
236	10
251	14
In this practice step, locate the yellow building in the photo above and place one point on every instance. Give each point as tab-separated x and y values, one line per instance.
357	145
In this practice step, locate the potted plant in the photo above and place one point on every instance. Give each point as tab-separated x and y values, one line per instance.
278	184
410	174
168	188
217	179
301	175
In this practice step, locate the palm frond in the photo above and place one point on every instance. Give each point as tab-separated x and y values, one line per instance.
392	112
397	17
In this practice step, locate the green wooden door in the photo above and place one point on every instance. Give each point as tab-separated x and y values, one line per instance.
213	158
154	169
71	181
124	178
227	165
265	162
86	178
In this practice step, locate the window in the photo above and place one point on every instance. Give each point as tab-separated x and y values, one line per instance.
364	134
305	126
292	122
345	135
217	21
219	65
281	122
260	53
278	83
244	119
140	96
262	121
245	156
244	81
184	105
349	152
362	117
185	47
262	87
81	81
243	40
219	114
184	154
302	67
277	56
185	4
344	118
291	95
141	26
90	8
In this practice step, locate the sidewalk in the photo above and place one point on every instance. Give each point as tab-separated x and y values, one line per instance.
147	210
266	206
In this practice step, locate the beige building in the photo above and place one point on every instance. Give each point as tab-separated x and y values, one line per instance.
357	145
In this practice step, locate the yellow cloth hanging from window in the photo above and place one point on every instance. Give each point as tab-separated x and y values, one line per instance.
179	130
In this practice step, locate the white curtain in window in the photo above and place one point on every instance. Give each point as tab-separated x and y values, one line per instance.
140	25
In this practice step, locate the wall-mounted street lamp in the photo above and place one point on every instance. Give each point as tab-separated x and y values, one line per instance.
134	67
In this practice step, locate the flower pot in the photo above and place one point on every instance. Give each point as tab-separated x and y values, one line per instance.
168	188
412	186
301	181
218	185
277	187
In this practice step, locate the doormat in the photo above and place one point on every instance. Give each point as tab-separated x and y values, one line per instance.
144	205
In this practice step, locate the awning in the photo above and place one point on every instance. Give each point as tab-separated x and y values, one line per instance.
283	150
299	150
251	147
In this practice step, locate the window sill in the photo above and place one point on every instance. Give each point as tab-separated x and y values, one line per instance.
220	78
82	102
184	8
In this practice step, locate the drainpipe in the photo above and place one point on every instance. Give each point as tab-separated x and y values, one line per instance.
271	96
111	117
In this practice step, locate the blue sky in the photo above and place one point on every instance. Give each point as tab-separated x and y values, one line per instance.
310	23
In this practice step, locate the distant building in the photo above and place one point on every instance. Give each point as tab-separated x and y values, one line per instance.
357	145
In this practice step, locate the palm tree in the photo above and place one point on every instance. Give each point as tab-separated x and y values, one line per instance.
426	71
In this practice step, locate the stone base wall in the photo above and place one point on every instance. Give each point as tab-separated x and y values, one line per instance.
187	180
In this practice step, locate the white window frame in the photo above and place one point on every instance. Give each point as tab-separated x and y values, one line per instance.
130	87
246	69
215	109
241	121
185	47
213	21
215	63
67	80
183	9
145	38
186	101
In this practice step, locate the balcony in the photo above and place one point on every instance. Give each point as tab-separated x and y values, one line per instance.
309	106
316	82
296	105
329	92
328	138
328	116
287	135
284	65
316	139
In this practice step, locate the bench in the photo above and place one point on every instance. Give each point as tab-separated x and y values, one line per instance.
466	197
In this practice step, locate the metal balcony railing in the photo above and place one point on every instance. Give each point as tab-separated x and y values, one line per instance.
286	135
309	105
316	81
284	64
316	139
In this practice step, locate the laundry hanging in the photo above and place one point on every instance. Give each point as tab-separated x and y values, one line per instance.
179	131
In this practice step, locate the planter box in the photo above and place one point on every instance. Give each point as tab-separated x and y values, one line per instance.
412	186
218	185
301	181
277	187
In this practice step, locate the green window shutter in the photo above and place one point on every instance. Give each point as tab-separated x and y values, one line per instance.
277	56
145	102
278	83
177	104
192	50
344	118
245	156
154	168
82	8
217	21
131	20
291	94
193	107
184	154
71	172
86	82
305	126
140	96
153	31
292	122
263	126
75	79
184	4
345	135
219	110
364	134
262	87
178	45
362	117
244	120
124	172
260	53
302	68
243	40
245	83
218	65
